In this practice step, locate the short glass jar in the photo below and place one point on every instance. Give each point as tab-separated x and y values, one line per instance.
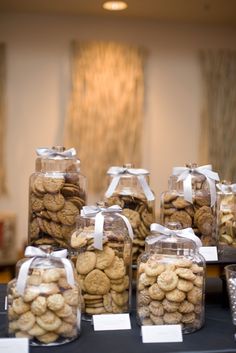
171	280
191	201
57	192
103	242
129	188
44	301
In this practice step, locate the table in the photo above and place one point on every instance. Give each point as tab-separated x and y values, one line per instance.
217	335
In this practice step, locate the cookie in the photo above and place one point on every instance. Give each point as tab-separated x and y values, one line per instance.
167	280
176	295
104	257
53	184
116	269
96	282
156	292
172	318
53	202
67	215
86	262
48	321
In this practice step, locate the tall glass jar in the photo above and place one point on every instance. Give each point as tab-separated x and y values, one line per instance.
129	188
226	217
171	281
44	302
57	192
191	201
103	243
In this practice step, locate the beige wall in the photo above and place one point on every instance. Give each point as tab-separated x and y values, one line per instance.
38	81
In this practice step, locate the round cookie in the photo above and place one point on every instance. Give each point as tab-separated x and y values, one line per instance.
53	185
86	262
104	258
96	282
53	202
167	280
68	213
116	270
156	292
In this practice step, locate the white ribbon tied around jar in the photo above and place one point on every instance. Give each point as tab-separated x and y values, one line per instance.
50	152
226	188
34	252
98	212
185	174
184	233
117	172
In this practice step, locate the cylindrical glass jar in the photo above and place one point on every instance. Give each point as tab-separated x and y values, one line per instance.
129	188
44	302
226	216
103	262
171	282
191	200
57	192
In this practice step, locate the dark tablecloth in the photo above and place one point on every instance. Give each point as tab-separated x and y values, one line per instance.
217	335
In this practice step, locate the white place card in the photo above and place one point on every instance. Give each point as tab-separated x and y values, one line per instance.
109	322
209	253
161	333
10	345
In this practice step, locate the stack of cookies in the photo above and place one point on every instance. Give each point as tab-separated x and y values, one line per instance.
198	215
170	291
226	223
141	214
103	275
55	200
48	311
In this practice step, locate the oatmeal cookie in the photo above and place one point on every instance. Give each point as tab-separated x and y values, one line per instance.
104	258
86	262
96	282
182	217
68	213
52	184
116	269
53	202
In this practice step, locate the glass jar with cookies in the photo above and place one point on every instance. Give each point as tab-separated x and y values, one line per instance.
44	300
171	279
129	188
191	201
103	241
226	217
57	192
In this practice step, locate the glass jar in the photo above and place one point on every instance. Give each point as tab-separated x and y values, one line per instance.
226	216
103	262
129	188
44	302
57	192
171	282
191	200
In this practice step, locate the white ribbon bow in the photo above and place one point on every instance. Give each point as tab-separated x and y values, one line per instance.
226	188
184	233
140	173
98	213
50	152
34	252
185	174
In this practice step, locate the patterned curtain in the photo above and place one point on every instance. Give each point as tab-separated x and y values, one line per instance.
218	138
2	118
105	115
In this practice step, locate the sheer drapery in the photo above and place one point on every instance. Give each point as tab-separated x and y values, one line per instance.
218	138
2	118
105	115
